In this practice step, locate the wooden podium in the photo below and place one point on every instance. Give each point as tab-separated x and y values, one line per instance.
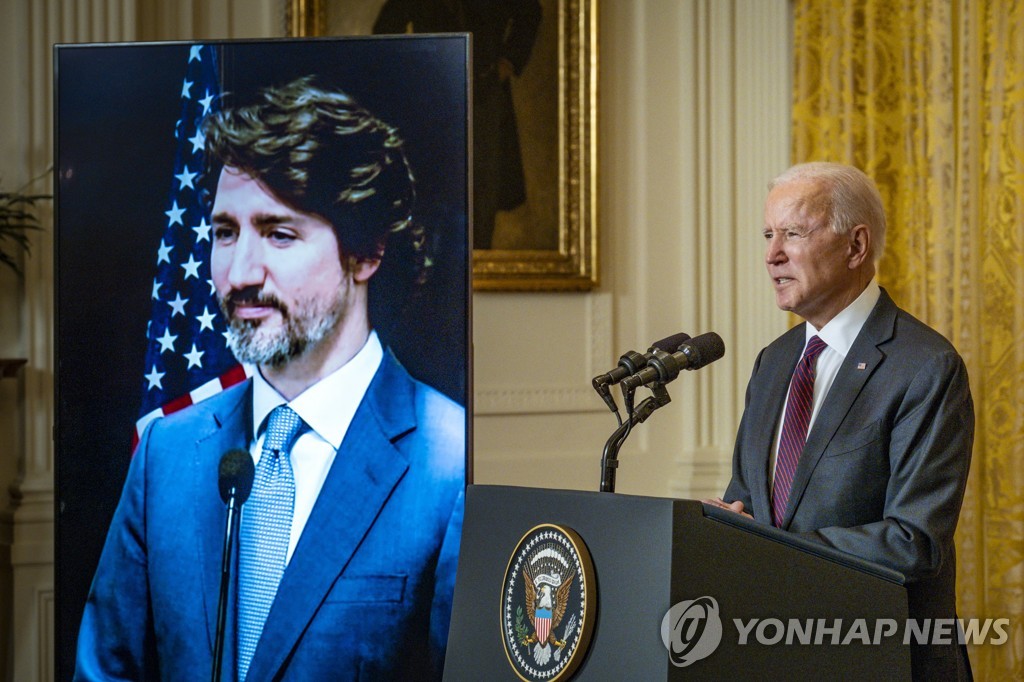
649	554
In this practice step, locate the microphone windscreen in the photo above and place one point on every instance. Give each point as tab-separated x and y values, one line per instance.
236	471
705	349
671	344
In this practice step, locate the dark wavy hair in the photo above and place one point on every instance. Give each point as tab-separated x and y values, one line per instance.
317	150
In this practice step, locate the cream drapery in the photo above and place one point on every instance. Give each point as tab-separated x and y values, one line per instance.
927	97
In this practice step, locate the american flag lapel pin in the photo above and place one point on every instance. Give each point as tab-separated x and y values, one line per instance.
862	365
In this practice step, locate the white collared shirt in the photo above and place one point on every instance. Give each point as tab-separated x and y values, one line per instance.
328	407
839	333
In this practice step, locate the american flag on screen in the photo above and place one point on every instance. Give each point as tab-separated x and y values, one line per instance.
187	358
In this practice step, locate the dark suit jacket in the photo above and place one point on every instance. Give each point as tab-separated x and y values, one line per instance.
367	593
883	473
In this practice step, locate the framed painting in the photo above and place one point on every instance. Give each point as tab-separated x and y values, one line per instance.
534	126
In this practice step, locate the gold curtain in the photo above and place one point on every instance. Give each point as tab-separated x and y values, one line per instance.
927	97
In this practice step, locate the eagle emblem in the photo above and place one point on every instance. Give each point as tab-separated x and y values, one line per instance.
548	604
547	595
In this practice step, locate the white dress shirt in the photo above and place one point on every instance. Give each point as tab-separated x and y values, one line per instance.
327	407
839	333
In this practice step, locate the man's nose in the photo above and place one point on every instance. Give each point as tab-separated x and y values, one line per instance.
774	250
246	267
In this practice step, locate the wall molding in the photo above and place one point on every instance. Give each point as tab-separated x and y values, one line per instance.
563	389
45	608
702	474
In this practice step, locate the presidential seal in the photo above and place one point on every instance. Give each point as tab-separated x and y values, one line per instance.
548	604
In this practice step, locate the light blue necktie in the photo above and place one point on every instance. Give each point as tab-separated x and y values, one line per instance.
265	531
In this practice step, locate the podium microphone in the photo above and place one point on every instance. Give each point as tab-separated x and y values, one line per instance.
632	362
234	478
664	367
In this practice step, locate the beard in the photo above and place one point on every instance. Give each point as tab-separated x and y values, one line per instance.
303	326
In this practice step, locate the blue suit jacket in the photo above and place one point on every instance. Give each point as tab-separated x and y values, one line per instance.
883	472
367	593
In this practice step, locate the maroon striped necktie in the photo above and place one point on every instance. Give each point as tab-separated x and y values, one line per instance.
794	427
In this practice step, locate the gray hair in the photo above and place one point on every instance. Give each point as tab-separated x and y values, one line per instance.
853	198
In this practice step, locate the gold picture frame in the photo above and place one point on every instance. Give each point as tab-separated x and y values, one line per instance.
549	242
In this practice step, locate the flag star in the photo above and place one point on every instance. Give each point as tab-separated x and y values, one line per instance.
185	87
213	288
177	305
202	230
197	141
156	290
167	341
227	335
193	53
154	378
174	215
185	178
206	102
206	319
191	267
163	254
195	358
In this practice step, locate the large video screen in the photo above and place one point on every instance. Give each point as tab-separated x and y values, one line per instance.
251	236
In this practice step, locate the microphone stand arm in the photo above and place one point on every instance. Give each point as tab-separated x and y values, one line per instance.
600	384
230	531
609	459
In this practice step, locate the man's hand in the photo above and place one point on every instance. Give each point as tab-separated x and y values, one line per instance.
736	506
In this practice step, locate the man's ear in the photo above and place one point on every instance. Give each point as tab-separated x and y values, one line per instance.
364	268
860	246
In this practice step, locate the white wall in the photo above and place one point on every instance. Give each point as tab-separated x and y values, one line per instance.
694	119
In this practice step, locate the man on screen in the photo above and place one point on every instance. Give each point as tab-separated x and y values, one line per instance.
858	425
348	542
